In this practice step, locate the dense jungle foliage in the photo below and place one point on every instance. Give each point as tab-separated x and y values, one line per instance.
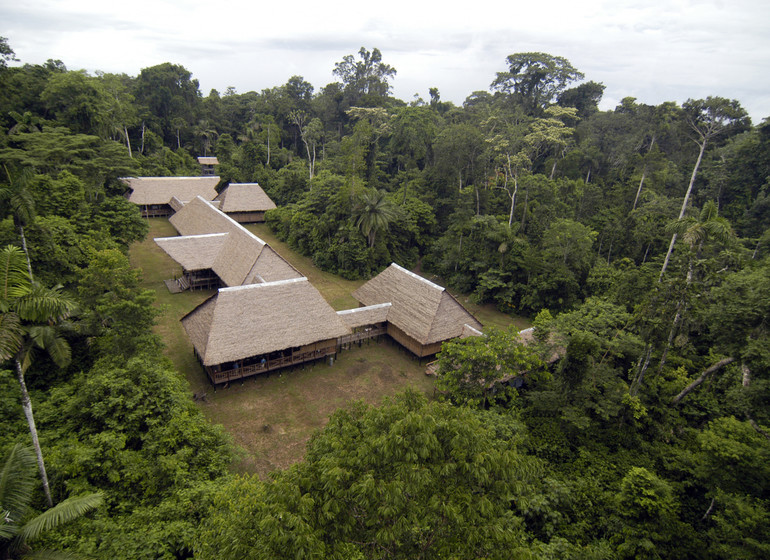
634	425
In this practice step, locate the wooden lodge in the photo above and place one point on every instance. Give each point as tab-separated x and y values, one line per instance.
248	330
154	195
245	202
422	314
207	165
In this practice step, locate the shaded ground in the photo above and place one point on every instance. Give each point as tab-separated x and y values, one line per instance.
272	418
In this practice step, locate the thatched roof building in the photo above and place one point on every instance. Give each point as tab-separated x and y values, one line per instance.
422	314
245	202
154	194
246	330
207	164
210	240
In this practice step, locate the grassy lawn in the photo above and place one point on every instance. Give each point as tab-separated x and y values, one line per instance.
272	417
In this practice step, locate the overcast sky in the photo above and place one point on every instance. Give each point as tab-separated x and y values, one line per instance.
654	50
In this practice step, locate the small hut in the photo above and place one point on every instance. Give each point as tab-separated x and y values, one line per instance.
245	202
207	165
248	330
422	314
153	195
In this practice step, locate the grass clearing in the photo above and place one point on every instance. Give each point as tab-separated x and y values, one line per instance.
271	418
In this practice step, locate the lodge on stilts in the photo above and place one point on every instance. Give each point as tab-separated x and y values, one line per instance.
422	315
247	330
154	195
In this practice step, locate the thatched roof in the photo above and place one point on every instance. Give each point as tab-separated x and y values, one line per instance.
199	216
193	252
257	319
362	316
160	190
244	197
240	258
208	160
425	311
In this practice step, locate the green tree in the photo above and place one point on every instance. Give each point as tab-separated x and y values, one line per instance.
17	482
707	119
17	199
410	479
373	212
476	370
535	79
365	81
30	313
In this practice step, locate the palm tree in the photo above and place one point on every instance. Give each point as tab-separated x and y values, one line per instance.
17	481
17	199
29	314
373	212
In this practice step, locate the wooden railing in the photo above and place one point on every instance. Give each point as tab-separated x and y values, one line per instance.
225	376
362	335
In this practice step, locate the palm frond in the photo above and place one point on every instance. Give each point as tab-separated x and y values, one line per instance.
63	512
43	304
17	481
11	335
46	337
14	281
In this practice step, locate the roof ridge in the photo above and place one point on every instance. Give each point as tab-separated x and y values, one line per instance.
418	277
263	284
196	236
365	308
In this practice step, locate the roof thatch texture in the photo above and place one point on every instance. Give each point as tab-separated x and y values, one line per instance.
362	316
244	197
193	252
425	311
257	319
176	204
243	258
208	160
199	217
160	190
270	267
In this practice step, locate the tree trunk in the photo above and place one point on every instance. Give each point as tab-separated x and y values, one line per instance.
701	378
268	144
26	404
524	213
643	363
639	190
141	150
684	207
128	141
24	247
513	200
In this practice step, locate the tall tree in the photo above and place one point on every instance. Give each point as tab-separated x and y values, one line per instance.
172	97
707	120
17	199
365	81
535	79
29	314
